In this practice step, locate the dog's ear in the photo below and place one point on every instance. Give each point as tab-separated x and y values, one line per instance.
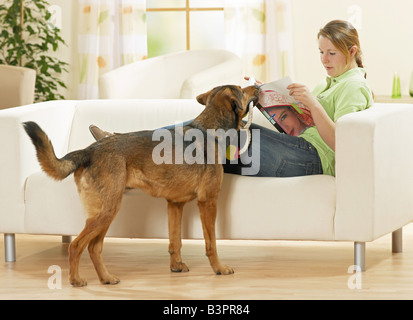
236	106
202	98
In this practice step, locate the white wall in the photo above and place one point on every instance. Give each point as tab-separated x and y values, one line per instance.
67	15
386	39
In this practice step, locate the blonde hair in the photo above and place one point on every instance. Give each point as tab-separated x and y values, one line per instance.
343	36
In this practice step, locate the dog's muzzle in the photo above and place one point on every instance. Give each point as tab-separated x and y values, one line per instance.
254	101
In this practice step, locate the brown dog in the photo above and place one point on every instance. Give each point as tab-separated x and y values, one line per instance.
103	170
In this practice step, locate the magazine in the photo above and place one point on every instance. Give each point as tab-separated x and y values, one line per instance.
285	113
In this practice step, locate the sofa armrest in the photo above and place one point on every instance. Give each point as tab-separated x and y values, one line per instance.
374	172
18	157
230	72
16	86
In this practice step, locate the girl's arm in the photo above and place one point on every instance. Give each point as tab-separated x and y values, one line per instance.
257	82
325	126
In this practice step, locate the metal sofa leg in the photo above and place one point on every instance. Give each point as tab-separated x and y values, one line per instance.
66	239
10	247
397	240
360	255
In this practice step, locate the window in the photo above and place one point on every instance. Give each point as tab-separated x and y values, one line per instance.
177	25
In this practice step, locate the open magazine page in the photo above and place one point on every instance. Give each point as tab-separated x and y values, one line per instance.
285	113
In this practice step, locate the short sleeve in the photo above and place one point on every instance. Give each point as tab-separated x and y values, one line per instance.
354	97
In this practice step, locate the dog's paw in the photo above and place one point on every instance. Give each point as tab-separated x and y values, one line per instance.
110	279
80	282
179	267
224	270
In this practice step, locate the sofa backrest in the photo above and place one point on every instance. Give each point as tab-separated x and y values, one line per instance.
127	116
133	115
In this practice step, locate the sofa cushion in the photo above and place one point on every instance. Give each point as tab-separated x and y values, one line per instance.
277	208
54	207
248	208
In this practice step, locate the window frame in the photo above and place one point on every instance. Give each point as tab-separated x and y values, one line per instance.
187	9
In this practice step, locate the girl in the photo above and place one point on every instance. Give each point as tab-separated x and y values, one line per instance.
345	90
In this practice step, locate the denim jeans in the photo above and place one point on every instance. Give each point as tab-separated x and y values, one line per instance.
280	155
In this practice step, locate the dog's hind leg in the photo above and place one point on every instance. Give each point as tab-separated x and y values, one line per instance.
75	251
101	204
175	243
92	235
208	210
95	251
110	206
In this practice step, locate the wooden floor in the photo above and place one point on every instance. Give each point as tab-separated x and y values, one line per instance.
263	270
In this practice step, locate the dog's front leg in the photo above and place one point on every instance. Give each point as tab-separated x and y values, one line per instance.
208	210
174	225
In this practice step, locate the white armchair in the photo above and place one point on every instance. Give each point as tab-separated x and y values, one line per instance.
16	86
178	75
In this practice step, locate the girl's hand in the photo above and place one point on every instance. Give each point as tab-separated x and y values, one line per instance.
257	83
325	126
301	93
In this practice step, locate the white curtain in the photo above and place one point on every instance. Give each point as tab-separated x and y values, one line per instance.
260	32
111	33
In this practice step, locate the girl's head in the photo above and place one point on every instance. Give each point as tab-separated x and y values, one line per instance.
339	47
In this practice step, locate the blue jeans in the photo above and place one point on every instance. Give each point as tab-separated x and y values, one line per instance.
280	155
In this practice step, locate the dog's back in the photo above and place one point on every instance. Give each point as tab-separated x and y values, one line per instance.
131	155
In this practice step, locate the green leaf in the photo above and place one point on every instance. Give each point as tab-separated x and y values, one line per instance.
31	30
61	84
57	68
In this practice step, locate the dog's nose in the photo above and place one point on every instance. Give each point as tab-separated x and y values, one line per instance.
255	100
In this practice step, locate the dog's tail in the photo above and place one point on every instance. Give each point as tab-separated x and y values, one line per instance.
54	167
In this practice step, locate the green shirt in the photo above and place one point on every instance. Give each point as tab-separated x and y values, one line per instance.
339	96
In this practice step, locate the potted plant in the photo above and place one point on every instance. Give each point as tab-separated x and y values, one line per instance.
27	38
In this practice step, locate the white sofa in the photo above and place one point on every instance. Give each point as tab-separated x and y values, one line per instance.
193	72
371	196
